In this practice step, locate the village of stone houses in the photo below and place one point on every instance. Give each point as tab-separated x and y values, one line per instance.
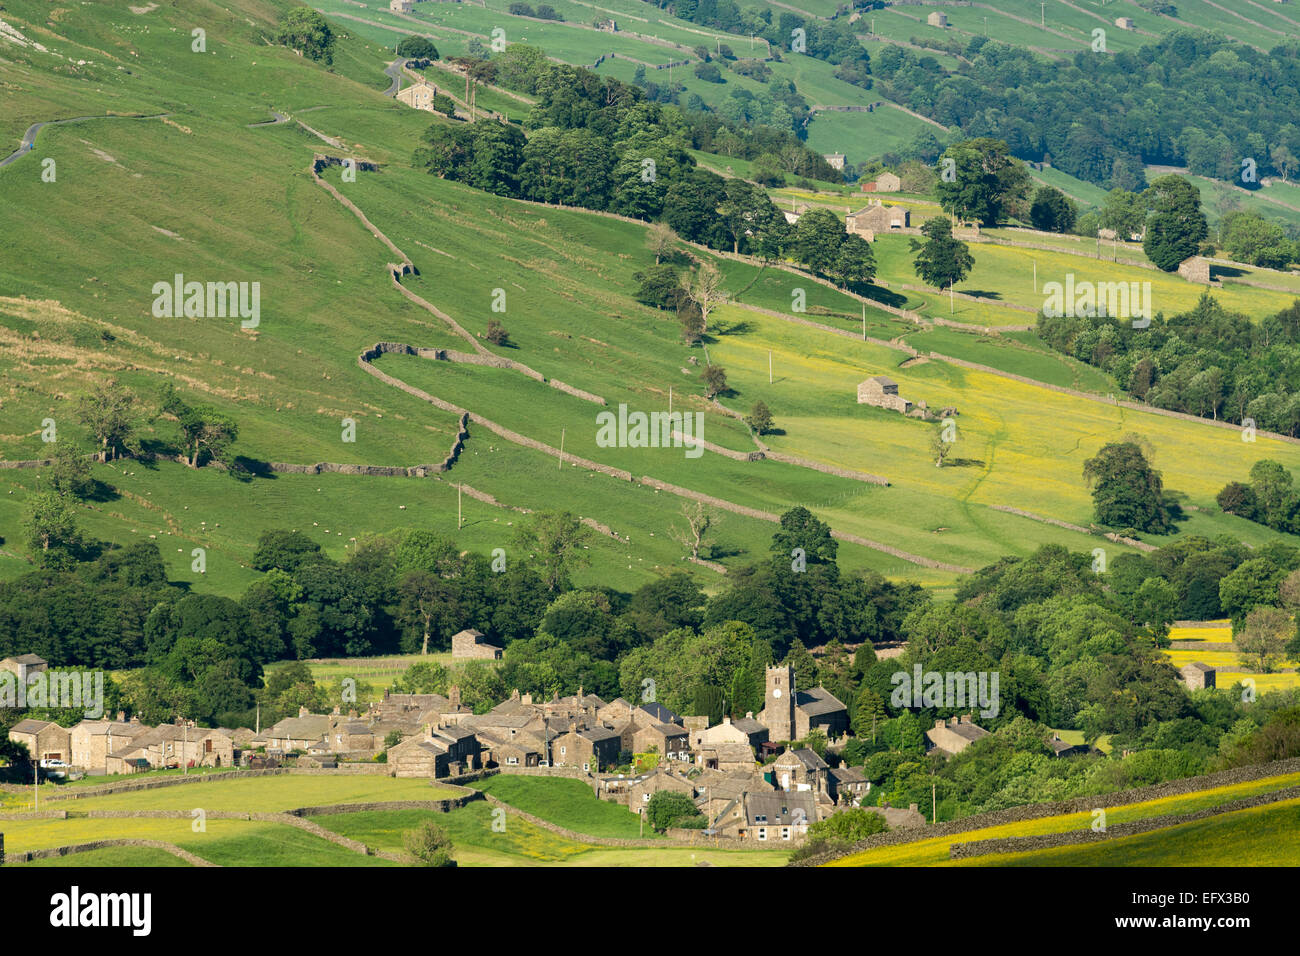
652	433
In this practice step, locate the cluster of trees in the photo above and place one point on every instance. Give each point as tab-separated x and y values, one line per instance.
111	416
1268	498
1207	361
755	127
1127	493
308	33
628	157
417	48
1049	111
1078	649
544	11
831	40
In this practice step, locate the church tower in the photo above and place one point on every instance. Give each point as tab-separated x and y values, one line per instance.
778	714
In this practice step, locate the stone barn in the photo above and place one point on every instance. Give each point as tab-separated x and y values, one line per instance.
400	6
877	217
473	643
23	666
1197	676
44	739
1124	23
937	19
882	392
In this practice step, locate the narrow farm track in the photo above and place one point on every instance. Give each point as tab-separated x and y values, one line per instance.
29	138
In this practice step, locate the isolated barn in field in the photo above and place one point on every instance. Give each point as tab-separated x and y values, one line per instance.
1197	676
1124	23
882	392
937	19
884	183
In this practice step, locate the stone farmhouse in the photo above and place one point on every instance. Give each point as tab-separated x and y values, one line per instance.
800	770
23	665
954	735
173	745
418	95
747	731
44	739
440	752
877	217
589	747
1197	676
93	740
473	643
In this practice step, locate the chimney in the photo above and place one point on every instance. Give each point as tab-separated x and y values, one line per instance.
726	720
514	694
121	716
336	710
749	715
453	694
938	725
573	726
912	807
303	712
965	719
526	699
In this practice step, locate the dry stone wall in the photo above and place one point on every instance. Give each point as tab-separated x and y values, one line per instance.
1035	811
1115	831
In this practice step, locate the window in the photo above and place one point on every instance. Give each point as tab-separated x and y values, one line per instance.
785	833
762	834
760	818
563	751
512	760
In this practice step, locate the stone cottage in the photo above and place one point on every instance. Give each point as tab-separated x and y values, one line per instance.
954	735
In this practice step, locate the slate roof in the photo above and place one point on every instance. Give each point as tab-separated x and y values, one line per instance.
29	726
817	701
28	659
809	759
310	727
660	713
778	808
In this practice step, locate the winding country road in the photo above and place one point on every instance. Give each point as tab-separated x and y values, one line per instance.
29	138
